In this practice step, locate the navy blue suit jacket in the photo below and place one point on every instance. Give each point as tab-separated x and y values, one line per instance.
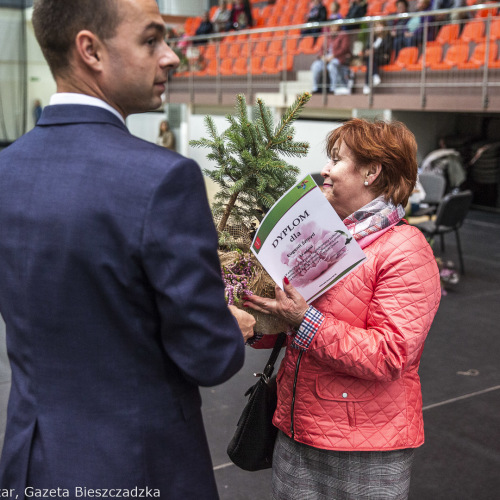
113	300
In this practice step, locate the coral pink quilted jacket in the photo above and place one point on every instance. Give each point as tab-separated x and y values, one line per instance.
356	387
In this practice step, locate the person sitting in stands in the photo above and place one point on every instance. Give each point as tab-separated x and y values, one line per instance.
399	25
334	12
377	55
241	16
356	10
414	29
221	17
454	17
317	14
336	59
205	28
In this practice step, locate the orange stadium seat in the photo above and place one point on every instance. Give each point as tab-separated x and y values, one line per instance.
306	45
406	56
389	7
495	30
241	49
210	51
486	12
286	18
275	48
433	55
291	46
210	70
287	62
270	65
456	54
375	7
260	48
212	10
256	65
478	57
272	21
473	32
266	11
275	64
448	33
191	25
241	66
226	67
309	45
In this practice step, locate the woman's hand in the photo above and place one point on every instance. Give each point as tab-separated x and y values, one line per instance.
246	322
288	304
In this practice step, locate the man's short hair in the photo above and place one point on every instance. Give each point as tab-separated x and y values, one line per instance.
57	22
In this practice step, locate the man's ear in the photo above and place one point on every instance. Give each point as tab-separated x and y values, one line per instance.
88	49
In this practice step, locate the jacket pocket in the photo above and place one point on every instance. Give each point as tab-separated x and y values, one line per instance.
347	390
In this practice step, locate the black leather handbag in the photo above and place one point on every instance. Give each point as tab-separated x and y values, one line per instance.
251	447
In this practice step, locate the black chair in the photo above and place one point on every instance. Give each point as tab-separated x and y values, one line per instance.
450	216
434	186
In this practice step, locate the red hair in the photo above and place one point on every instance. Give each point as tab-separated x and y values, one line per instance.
389	144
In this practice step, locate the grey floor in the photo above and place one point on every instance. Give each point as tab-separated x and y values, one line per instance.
460	373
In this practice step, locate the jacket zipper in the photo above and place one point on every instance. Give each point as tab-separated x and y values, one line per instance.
293	393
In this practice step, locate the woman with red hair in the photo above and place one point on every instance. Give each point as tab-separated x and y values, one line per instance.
349	398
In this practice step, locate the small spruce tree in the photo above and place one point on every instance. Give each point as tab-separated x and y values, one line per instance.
251	171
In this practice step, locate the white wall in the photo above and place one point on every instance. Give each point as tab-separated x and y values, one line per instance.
41	84
183	7
313	132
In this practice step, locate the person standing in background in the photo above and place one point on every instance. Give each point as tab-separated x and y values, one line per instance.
166	137
37	110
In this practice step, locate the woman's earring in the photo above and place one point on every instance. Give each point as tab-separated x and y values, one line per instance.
366	183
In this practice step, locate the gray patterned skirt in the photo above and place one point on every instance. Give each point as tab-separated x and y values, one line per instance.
301	472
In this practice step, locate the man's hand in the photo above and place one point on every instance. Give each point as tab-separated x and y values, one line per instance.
246	322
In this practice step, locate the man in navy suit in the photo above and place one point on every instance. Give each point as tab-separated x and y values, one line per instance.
111	288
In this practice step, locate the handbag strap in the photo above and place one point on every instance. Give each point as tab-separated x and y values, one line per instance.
268	370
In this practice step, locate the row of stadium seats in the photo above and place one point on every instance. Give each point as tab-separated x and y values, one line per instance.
457	55
269	65
272	43
280	13
455	46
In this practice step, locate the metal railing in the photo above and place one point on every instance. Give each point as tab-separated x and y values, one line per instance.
423	83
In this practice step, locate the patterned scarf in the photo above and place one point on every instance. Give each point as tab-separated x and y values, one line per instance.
373	217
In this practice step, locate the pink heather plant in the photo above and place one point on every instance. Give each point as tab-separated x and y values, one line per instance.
236	278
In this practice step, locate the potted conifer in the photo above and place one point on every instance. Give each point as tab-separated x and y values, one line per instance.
252	173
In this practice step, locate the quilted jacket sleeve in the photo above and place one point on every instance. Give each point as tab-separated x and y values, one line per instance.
376	329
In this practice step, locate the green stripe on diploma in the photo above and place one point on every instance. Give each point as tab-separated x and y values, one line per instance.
280	208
